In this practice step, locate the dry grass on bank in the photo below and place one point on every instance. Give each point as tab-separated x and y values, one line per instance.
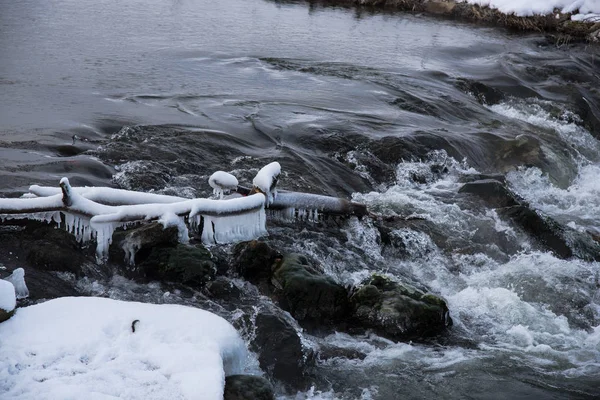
562	26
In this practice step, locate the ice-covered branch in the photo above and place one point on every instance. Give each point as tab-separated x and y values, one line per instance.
221	220
92	212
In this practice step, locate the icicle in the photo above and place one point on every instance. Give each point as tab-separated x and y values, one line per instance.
208	235
104	232
17	278
235	228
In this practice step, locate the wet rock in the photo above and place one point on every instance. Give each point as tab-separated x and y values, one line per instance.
247	387
479	177
281	353
52	249
545	230
483	93
327	352
191	265
398	311
223	288
134	245
493	192
308	294
254	260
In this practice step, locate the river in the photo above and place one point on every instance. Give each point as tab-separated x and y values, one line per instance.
392	109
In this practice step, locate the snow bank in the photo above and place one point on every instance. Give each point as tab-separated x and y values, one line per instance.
8	299
527	8
84	348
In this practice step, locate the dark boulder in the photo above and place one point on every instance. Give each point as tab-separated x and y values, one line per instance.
308	294
281	353
254	260
247	387
493	192
52	249
134	245
398	311
191	265
222	288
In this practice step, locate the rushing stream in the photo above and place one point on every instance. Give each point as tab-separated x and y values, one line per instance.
396	111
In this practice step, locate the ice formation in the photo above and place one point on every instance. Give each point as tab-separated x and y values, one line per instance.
17	278
84	348
8	300
234	228
221	181
266	180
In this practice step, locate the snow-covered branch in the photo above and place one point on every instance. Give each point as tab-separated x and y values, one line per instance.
95	212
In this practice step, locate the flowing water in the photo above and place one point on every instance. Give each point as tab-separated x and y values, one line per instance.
393	110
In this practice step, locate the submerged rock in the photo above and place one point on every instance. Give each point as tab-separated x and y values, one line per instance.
308	294
247	387
398	311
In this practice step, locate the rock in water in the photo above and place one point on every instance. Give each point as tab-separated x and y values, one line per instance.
398	311
254	260
280	350
308	294
492	191
134	245
186	264
247	387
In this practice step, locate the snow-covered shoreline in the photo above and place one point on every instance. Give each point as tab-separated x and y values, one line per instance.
578	9
566	19
90	347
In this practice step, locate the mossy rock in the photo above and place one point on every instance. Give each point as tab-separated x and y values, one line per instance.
183	264
254	260
398	311
308	294
141	239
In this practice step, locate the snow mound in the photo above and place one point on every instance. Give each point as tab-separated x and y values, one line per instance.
221	181
528	8
8	299
86	348
17	278
266	180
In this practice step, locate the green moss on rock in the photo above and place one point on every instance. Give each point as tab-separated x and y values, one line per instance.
182	263
397	310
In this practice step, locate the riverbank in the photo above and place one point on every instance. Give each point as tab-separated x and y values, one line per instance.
563	26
